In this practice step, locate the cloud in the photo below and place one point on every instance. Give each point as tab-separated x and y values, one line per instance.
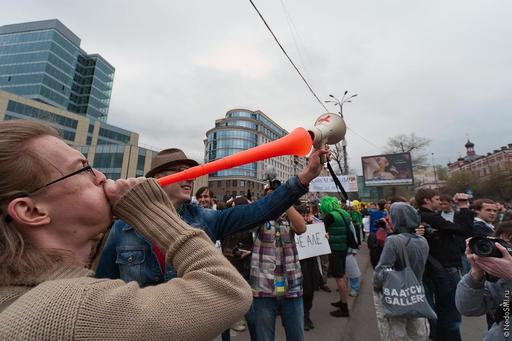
440	69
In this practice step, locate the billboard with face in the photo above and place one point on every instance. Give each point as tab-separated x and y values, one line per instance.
388	170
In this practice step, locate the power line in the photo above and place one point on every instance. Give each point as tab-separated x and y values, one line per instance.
298	39
287	56
365	139
300	74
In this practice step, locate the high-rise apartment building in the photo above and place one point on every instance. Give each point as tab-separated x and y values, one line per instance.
43	61
242	129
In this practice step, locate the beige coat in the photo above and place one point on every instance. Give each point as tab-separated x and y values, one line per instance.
69	304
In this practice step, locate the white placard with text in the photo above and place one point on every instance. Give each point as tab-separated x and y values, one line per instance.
313	242
326	184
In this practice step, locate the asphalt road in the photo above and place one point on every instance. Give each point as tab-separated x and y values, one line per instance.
362	324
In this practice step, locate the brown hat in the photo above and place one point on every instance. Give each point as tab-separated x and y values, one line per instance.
169	157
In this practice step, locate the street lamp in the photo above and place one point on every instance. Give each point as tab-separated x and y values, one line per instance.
344	100
435	171
339	103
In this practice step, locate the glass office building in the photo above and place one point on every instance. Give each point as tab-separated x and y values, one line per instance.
242	129
43	61
45	76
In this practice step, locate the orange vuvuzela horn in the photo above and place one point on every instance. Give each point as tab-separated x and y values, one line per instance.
298	142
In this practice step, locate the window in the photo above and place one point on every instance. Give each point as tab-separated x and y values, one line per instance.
234	183
242	183
43	115
112	135
108	160
141	161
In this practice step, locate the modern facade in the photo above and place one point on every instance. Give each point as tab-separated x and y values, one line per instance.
239	130
110	149
496	161
43	61
45	76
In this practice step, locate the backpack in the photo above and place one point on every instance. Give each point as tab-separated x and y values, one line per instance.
381	236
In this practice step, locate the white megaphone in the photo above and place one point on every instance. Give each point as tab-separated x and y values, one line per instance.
329	128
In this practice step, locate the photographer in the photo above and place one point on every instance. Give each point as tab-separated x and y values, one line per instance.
444	261
477	296
376	222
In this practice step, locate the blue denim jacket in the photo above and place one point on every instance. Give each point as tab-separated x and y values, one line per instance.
129	256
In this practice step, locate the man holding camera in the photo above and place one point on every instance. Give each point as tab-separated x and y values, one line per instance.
477	296
442	273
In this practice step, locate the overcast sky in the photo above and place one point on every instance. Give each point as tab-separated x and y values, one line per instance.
441	69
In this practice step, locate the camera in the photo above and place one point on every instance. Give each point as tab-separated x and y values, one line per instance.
274	184
429	230
485	247
236	252
381	223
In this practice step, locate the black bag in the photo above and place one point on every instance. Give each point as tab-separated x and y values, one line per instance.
351	239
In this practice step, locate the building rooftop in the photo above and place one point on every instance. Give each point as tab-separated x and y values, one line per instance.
41	25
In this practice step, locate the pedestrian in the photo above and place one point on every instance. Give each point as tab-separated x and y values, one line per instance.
405	221
205	197
52	204
376	218
276	278
130	257
336	222
477	296
444	262
486	213
311	275
237	248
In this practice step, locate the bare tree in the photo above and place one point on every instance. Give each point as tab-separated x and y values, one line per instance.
337	157
410	143
442	172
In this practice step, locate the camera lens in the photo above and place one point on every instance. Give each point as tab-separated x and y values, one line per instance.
482	247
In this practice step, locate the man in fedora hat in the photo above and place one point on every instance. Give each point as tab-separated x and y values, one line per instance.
131	257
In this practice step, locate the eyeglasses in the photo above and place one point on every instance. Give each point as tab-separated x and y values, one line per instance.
87	168
177	169
173	170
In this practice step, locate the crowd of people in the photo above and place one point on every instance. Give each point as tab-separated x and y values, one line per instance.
91	258
458	278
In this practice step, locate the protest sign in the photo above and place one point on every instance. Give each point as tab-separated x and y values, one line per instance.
326	184
313	242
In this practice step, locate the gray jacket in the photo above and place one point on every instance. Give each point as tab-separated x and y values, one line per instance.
417	250
478	298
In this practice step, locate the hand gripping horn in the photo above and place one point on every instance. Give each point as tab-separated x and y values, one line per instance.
328	129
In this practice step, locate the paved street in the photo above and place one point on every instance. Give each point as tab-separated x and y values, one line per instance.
362	324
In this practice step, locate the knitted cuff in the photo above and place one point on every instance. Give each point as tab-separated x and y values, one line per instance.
147	208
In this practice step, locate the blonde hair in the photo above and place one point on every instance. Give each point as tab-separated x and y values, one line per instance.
21	171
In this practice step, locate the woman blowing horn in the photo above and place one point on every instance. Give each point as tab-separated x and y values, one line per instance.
52	204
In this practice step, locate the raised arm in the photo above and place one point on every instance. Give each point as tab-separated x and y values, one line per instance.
296	220
245	217
462	227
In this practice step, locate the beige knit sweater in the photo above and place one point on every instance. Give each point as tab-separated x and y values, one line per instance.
68	304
